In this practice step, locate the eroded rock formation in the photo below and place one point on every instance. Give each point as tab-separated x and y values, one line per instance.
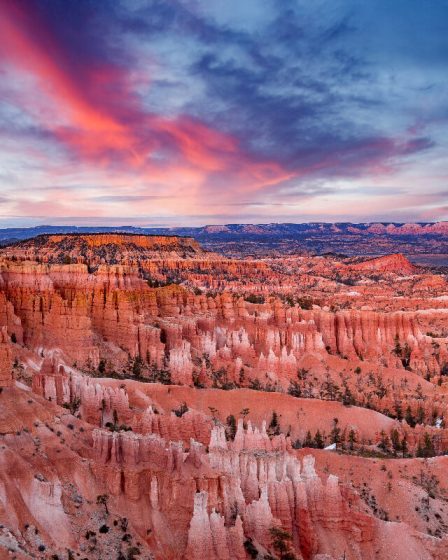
157	398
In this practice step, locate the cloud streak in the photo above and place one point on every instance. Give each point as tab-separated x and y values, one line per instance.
104	98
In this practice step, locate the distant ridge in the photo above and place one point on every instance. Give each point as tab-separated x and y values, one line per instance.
236	230
423	243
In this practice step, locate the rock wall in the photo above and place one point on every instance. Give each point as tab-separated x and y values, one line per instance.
6	379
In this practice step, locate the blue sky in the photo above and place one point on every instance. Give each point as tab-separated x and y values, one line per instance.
193	112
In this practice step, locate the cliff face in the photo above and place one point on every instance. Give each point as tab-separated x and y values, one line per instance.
111	322
175	415
255	489
108	248
215	501
88	315
5	359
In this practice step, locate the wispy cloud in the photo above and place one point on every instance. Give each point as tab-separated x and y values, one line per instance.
262	106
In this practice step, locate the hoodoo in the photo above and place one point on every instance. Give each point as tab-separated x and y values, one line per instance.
177	387
152	403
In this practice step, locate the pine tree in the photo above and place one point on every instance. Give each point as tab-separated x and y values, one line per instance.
406	356
102	366
404	446
398	410
294	389
409	417
420	415
352	439
428	446
419	452
308	441
347	398
335	434
385	442
318	440
137	366
397	346
281	542
395	440
419	392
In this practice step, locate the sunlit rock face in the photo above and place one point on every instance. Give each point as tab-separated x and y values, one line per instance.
398	264
5	359
156	398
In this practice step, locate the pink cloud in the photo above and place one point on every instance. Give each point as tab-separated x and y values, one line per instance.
98	130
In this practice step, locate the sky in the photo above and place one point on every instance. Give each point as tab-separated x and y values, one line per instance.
193	112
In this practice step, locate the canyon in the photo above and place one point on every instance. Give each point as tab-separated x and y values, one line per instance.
161	400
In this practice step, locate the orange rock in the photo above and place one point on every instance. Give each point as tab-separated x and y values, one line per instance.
6	379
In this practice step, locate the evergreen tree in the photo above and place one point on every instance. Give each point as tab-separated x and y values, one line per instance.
397	346
385	442
406	356
274	426
352	439
420	415
347	397
335	434
428	446
281	542
398	410
308	441
426	449
395	440
294	389
102	366
419	392
318	440
404	446
409	417
137	366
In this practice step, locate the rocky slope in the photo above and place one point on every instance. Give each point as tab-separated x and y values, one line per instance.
114	492
398	264
151	419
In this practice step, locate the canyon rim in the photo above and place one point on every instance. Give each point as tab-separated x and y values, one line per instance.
223	280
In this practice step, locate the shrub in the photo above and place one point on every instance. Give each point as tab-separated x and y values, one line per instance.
253	298
181	410
281	543
250	548
133	552
102	366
